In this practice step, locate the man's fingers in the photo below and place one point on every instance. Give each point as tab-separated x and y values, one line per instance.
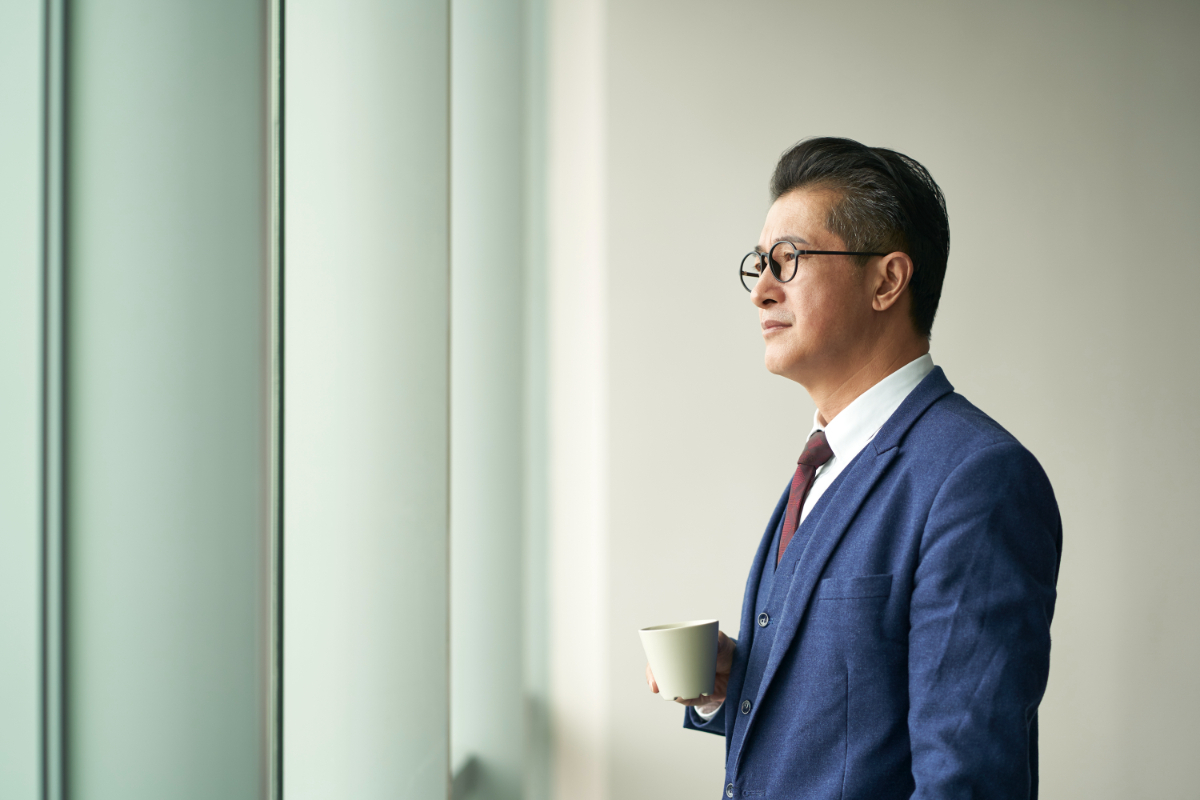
725	648
650	679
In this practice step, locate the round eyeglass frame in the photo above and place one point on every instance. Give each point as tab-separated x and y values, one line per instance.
777	270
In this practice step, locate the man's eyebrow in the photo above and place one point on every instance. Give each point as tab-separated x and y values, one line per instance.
789	238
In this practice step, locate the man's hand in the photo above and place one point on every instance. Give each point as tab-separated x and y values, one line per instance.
712	702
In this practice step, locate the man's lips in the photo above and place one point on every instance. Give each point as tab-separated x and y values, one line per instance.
769	325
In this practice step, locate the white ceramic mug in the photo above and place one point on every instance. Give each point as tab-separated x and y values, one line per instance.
683	657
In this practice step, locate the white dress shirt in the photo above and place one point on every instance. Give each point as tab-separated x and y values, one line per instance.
850	431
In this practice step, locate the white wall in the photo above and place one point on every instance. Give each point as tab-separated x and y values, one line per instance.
1064	138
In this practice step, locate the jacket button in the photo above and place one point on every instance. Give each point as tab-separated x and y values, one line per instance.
729	790
745	706
763	619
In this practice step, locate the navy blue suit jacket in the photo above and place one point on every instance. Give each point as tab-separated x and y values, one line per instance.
902	646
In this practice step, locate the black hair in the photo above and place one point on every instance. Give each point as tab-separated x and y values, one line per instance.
884	201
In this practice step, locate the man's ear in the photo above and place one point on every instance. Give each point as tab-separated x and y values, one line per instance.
892	274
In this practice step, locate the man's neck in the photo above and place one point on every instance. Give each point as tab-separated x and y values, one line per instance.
832	397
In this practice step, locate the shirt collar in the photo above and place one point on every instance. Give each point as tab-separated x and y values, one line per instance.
849	432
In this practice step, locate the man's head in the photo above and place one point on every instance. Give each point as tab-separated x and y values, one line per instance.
837	194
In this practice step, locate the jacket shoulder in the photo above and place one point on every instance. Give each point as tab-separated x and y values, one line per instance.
953	430
954	419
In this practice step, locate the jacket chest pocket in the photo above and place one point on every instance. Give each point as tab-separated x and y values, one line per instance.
848	616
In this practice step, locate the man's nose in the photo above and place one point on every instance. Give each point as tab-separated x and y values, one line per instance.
766	290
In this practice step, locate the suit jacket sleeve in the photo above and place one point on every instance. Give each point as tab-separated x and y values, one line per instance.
697	723
979	638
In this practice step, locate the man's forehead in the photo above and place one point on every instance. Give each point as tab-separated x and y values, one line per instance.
797	217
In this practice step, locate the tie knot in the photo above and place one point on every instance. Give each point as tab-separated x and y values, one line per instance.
817	451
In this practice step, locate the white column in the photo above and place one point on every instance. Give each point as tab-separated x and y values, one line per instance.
167	387
20	396
366	424
487	460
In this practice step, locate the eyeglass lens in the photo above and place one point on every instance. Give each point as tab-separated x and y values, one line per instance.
782	258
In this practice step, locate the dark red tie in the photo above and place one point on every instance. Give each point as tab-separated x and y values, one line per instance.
816	453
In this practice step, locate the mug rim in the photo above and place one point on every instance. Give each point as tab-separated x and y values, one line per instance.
674	626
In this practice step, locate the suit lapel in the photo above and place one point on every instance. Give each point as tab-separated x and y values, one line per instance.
837	509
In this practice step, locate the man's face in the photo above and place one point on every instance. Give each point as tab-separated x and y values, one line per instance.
814	323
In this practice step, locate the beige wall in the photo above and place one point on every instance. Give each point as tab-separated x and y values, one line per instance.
1064	137
578	389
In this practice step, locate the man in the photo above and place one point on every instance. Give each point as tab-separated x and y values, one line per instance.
895	631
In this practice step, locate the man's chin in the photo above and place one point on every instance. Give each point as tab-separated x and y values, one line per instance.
777	363
785	365
778	366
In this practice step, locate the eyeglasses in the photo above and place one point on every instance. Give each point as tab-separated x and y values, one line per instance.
783	258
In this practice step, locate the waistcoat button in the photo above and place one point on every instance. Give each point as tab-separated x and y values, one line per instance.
763	619
729	790
745	706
